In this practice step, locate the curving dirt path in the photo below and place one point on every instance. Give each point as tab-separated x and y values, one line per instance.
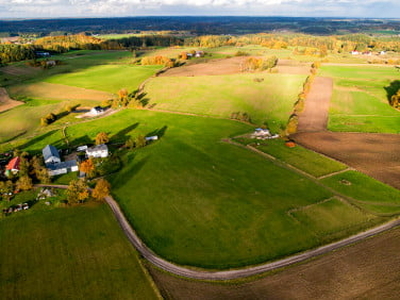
228	274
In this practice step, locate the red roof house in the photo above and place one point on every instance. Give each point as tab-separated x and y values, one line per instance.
13	165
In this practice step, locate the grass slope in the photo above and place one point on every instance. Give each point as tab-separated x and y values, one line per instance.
69	253
271	100
108	78
196	200
360	99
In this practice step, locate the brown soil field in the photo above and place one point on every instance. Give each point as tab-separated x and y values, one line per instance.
52	91
377	155
225	66
6	102
315	114
367	270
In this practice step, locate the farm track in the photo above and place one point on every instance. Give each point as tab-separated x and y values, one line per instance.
202	274
376	155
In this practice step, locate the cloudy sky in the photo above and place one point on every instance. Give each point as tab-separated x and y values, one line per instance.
115	8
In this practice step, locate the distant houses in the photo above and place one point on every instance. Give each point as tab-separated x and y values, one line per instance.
54	164
263	134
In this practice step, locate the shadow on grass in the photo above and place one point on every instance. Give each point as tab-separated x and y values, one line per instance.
392	89
158	132
37	140
121	136
129	171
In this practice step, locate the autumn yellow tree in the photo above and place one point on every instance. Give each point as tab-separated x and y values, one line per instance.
77	191
24	183
102	138
102	189
88	167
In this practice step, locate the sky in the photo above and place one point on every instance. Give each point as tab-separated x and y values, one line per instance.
123	8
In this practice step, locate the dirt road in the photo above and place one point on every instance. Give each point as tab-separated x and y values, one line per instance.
315	114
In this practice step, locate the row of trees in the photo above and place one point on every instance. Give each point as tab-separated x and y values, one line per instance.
10	53
322	44
252	64
298	107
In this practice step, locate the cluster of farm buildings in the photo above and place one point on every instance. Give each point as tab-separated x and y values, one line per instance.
53	162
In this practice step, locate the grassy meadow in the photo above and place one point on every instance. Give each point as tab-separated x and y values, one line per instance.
69	253
268	101
198	201
360	100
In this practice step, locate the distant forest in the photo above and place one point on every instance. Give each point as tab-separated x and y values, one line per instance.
200	25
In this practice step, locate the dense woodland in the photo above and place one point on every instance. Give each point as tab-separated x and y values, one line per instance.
199	25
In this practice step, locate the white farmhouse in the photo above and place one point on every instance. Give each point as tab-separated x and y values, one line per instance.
51	155
97	151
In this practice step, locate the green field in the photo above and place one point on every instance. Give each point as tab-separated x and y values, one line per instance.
69	253
269	101
353	184
322	217
306	160
198	201
108	78
360	99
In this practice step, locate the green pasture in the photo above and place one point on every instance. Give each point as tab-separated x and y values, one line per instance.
306	160
108	78
322	219
69	253
270	100
363	188
360	100
196	200
21	124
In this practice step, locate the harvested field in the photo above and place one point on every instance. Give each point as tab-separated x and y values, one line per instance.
45	90
368	270
19	70
6	102
376	155
232	65
315	114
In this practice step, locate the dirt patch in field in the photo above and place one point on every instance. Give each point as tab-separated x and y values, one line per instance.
315	114
19	70
52	91
368	270
6	102
226	66
377	155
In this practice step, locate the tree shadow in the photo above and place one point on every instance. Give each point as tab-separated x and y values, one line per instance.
158	132
122	135
129	171
392	89
37	140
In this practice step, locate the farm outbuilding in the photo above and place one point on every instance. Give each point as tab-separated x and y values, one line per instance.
13	165
97	151
51	155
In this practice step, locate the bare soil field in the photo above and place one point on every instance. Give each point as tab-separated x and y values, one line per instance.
367	270
52	91
315	114
225	66
377	155
6	102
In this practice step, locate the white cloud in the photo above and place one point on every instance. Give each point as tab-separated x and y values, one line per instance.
77	8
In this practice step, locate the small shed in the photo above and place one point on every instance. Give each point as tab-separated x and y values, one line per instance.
97	110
